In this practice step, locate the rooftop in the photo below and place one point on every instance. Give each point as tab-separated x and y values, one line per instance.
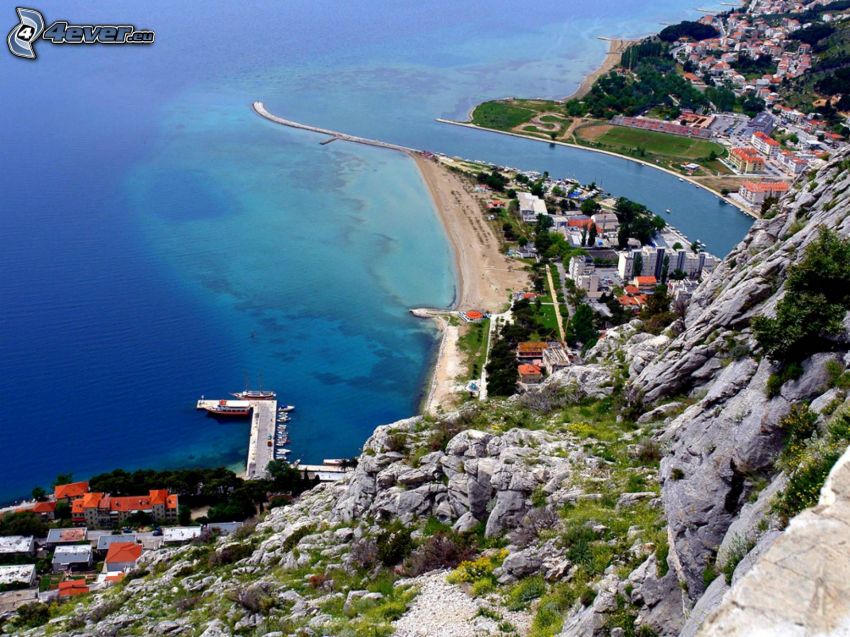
17	574
16	544
70	490
105	541
69	536
121	552
180	533
74	554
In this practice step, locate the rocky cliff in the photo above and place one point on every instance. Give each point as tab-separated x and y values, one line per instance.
634	494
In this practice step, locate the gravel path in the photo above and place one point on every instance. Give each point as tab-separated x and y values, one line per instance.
446	610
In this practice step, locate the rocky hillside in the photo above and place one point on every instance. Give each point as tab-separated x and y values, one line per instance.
651	491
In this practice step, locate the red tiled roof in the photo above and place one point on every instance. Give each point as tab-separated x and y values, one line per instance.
529	370
766	139
121	552
158	496
92	500
72	587
765	186
70	490
531	347
44	507
646	280
130	503
631	289
474	315
172	502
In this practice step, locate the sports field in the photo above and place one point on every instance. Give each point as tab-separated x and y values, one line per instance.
627	140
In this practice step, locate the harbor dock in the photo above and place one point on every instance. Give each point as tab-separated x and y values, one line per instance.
263	427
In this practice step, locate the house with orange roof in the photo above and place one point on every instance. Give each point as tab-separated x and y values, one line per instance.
102	510
70	491
632	303
765	144
530	351
122	556
46	509
755	192
73	587
746	160
645	284
530	374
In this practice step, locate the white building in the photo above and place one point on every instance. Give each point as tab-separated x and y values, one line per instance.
180	534
606	222
17	575
530	206
583	273
652	263
17	545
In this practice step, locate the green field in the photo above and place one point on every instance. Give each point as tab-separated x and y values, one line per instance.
500	115
620	139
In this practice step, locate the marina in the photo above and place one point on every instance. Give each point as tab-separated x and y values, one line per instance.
267	435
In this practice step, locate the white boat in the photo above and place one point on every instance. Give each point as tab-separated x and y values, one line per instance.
287	408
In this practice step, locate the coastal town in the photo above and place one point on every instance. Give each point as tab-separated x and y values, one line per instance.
588	261
740	102
547	268
92	541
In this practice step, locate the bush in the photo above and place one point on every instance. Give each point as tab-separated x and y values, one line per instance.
440	550
807	462
32	615
292	541
228	554
816	300
394	544
364	552
253	599
524	592
481	568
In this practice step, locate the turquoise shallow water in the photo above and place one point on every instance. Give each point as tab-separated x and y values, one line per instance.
161	240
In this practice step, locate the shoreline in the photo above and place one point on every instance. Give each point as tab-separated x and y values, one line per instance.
616	48
485	276
686	178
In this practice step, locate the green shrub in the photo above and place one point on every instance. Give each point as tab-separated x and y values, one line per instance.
807	462
394	544
789	371
292	541
481	568
816	299
838	377
739	549
524	592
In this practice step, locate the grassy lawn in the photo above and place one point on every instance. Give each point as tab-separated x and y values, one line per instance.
500	115
473	344
554	119
674	147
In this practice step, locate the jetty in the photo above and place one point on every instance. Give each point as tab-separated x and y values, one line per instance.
260	110
263	427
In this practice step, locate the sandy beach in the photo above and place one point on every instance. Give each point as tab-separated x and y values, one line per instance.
485	276
616	48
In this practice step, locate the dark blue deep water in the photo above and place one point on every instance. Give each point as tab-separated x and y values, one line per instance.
160	241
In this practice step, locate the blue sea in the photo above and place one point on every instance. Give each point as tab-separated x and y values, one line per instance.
161	241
